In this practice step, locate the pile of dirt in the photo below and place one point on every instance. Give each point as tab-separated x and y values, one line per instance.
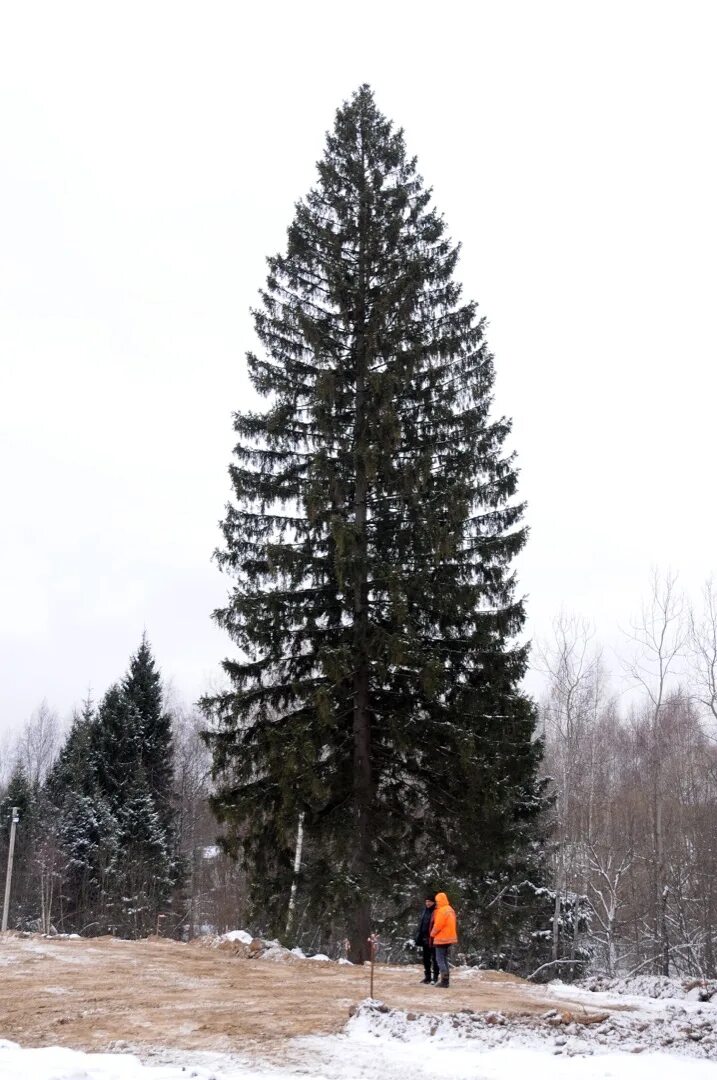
240	943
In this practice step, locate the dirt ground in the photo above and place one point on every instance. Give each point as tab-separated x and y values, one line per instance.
90	993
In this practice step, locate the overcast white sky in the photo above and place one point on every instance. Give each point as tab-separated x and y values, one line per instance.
150	156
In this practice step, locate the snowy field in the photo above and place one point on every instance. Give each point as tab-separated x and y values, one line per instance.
356	1057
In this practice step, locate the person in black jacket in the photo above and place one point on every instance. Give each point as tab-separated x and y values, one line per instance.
423	941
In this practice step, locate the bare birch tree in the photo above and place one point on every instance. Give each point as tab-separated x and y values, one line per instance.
703	650
39	743
659	638
573	668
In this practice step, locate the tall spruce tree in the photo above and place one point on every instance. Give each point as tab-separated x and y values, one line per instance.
376	695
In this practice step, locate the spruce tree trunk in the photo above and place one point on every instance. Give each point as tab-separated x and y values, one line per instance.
360	926
362	778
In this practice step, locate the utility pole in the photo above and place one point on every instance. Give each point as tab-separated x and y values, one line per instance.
10	854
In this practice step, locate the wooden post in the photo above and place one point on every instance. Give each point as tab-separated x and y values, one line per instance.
10	855
373	947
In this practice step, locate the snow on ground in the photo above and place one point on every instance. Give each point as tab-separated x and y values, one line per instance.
641	1029
560	1032
42	946
379	1043
628	996
355	1058
238	935
364	1056
652	986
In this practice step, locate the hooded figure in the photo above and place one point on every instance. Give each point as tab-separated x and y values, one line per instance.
444	933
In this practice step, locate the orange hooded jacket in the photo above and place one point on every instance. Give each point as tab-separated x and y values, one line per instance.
443	931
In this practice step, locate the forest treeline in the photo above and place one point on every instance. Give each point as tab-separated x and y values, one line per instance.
116	834
634	839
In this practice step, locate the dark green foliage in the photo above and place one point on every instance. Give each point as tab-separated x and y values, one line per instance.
142	688
116	745
112	788
145	869
20	793
89	841
73	769
86	826
507	922
371	538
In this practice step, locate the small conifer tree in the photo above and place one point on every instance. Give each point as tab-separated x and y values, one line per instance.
112	787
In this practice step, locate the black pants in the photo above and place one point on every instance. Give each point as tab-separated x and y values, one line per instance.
430	966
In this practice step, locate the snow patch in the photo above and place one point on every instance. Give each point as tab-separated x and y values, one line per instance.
276	952
237	935
628	996
347	1058
62	955
652	986
558	1031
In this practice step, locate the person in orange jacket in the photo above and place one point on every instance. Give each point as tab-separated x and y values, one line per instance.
444	933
